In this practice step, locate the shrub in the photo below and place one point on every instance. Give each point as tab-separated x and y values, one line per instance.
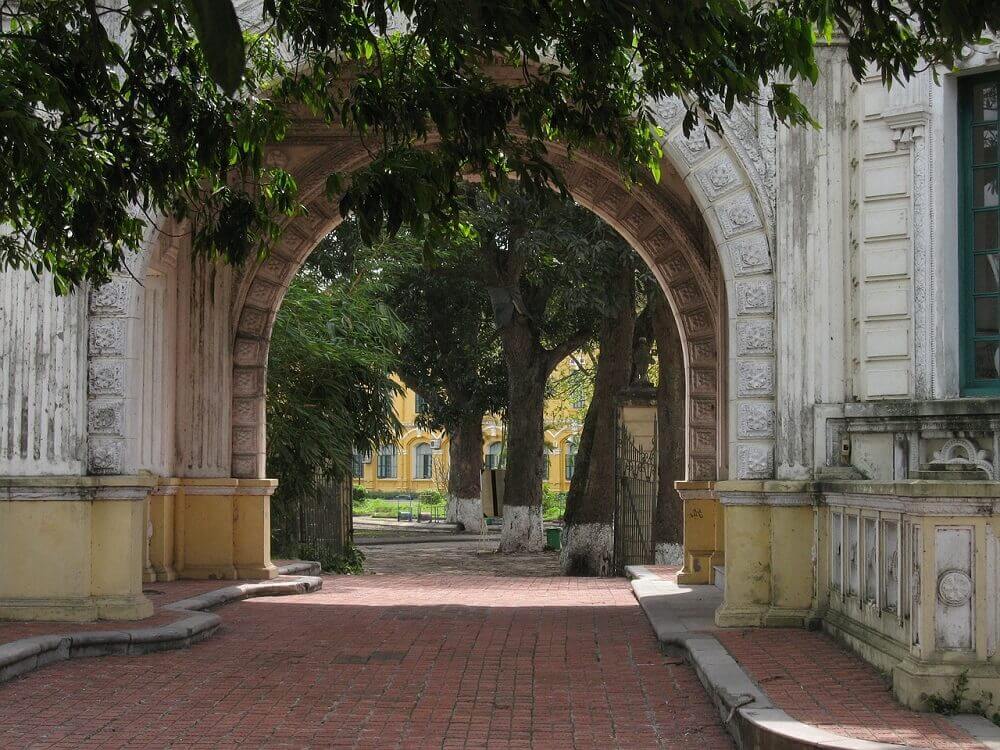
430	497
350	561
359	495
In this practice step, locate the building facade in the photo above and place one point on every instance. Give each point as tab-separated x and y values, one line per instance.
837	296
418	460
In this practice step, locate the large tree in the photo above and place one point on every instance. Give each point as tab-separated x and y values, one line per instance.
449	352
112	113
553	271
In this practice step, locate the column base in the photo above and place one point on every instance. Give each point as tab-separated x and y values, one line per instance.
699	567
257	572
77	609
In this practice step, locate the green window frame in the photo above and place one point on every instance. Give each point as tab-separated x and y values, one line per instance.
979	233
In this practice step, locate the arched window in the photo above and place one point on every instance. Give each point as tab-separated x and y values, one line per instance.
493	453
387	462
571	446
423	461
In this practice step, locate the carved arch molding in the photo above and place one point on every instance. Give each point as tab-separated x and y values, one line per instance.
705	231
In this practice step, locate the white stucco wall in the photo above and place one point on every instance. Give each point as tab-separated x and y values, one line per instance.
43	366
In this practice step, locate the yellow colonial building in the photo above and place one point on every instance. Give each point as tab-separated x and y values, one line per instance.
418	460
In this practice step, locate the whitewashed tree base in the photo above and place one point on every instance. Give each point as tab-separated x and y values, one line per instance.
466	511
669	553
588	549
522	529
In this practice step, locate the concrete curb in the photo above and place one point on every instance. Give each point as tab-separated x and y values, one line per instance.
27	654
748	713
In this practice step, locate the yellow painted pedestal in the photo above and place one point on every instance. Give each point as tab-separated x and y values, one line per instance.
770	554
221	529
704	533
73	548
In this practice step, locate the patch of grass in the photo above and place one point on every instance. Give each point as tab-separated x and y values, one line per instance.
955	702
379	508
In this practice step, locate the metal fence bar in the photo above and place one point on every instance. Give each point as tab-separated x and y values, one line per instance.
635	501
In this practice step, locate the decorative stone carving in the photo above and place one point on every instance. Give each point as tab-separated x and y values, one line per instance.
756	378
697	322
107	338
262	294
755	461
245	440
105	456
755	337
695	147
245	411
106	379
669	113
964	452
755	297
738	215
702	381
718	177
954	588
106	418
253	322
750	255
702	351
248	382
702	468
110	299
702	411
756	420
246	352
954	610
686	295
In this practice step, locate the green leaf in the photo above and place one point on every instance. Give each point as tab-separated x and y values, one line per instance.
221	40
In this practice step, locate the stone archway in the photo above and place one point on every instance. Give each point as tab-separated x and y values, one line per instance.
702	231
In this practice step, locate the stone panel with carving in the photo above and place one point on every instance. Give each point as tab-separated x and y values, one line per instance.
738	215
954	611
756	378
755	297
750	254
755	337
756	419
755	461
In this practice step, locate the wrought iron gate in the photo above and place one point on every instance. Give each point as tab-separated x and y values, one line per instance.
635	501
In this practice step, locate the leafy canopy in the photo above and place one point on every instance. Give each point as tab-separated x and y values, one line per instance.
114	113
449	352
328	386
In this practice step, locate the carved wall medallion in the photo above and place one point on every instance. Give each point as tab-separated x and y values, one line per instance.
954	588
106	418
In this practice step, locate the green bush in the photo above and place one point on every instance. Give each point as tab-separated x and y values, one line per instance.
350	561
553	504
359	494
430	497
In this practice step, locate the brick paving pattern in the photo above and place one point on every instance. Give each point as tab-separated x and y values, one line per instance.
386	661
818	682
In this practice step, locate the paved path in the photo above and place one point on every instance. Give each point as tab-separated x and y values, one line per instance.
386	661
809	675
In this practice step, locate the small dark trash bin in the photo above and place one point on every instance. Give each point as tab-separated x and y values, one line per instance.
553	538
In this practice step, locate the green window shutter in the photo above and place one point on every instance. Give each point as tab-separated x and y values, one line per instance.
979	233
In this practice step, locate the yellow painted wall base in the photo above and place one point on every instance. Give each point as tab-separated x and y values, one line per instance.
220	529
72	548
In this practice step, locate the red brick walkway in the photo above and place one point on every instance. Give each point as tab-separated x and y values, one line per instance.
817	682
386	662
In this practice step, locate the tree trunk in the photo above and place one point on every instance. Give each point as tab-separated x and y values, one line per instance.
590	504
465	462
671	405
527	373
